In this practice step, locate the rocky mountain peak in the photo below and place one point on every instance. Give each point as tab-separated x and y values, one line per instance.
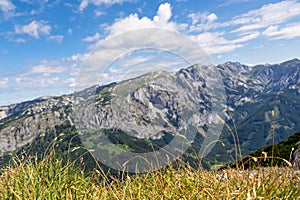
173	101
292	62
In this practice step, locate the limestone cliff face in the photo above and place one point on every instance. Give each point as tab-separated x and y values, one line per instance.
21	123
260	99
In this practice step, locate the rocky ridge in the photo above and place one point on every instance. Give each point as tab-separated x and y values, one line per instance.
268	89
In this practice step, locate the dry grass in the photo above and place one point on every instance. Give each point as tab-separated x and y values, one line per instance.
50	179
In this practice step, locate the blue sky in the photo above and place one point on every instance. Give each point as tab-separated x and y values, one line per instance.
43	43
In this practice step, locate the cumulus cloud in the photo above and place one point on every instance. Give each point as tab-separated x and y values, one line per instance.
34	29
164	13
115	47
273	21
115	43
134	22
211	42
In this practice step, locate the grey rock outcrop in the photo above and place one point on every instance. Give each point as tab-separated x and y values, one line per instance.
296	157
258	98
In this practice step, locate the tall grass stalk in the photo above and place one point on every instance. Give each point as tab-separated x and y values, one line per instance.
234	139
50	179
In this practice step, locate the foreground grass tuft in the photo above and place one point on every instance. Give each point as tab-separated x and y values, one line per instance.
47	179
51	179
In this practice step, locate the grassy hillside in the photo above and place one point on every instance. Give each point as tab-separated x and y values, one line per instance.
277	154
51	179
258	123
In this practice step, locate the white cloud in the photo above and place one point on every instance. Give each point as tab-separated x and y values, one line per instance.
85	3
70	31
34	29
3	82
229	2
269	21
48	74
247	37
270	31
289	32
268	15
57	38
140	10
76	58
271	18
36	82
66	69
99	13
196	17
115	46
6	5
129	23
211	42
46	68
215	43
202	21
46	78
133	22
258	47
202	17
70	82
7	8
164	13
254	20
212	17
93	38
18	40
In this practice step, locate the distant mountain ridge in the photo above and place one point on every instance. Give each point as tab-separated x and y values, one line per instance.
262	101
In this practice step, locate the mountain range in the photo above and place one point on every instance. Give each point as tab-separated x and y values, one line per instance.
259	105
